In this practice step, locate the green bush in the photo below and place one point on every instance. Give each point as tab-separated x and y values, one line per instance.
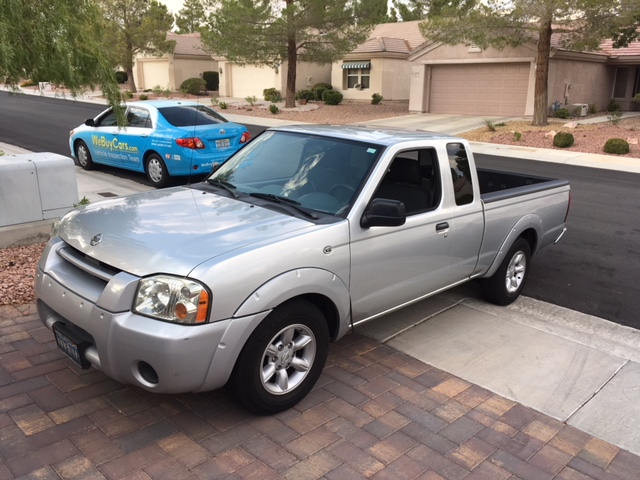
122	77
613	106
593	108
223	105
212	80
193	86
376	98
128	94
273	108
617	146
332	97
305	95
251	100
563	139
319	88
144	97
28	83
272	94
562	113
490	125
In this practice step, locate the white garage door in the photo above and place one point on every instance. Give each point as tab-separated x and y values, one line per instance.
480	89
154	74
250	80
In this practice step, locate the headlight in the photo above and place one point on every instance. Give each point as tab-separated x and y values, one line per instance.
173	299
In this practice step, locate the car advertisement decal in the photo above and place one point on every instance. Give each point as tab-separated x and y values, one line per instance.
112	145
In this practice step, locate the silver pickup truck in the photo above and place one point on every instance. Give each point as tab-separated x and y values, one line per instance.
302	235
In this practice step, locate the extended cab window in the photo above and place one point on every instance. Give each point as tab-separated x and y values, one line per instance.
460	173
413	178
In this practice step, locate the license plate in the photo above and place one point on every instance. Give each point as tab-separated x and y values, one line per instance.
223	143
70	345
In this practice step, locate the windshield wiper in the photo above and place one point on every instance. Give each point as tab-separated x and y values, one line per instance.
228	186
285	201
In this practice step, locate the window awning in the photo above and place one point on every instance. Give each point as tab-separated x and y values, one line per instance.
360	64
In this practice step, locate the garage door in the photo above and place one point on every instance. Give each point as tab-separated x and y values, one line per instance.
487	89
251	80
155	74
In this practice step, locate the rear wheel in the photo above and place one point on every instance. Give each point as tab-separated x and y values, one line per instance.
156	171
282	359
84	155
507	283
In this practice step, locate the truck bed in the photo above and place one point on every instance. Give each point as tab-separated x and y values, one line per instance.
497	185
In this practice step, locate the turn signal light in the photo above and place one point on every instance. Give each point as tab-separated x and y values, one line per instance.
194	143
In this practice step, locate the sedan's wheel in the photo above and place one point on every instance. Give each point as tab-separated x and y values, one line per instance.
156	171
84	155
507	283
282	359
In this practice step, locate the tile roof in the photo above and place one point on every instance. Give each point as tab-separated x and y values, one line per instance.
400	37
187	43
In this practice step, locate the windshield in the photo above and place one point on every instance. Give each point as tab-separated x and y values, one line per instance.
320	173
190	115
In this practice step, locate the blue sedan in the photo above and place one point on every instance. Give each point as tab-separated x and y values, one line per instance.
162	138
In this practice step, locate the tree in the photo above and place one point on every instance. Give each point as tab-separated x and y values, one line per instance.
583	24
191	18
405	11
56	41
269	32
136	26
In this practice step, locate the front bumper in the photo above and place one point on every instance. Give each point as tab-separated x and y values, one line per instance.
158	356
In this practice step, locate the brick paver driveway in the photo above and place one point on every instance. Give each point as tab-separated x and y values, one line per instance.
375	413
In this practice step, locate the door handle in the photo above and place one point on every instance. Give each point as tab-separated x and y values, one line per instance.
442	226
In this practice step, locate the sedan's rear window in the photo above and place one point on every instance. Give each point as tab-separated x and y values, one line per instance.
190	115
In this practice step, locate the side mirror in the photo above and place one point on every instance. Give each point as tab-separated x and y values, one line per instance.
89	122
383	212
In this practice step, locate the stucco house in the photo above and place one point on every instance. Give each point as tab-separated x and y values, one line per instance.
380	64
459	79
188	60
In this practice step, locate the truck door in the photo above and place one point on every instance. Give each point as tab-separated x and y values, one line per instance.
395	265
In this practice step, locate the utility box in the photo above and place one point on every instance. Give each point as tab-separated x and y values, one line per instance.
580	109
35	187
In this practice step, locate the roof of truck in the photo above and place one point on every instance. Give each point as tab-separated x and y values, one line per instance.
380	135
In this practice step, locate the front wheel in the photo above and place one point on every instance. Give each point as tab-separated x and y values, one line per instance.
507	283
156	170
282	359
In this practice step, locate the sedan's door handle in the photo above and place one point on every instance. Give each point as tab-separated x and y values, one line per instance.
442	226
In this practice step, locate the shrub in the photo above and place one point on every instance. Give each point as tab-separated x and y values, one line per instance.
490	125
193	86
617	146
593	108
613	106
251	100
562	113
211	80
563	139
144	96
28	83
332	97
376	98
517	136
223	105
615	116
273	108
319	89
122	77
272	94
157	90
128	94
305	95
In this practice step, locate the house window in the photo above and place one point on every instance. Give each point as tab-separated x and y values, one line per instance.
357	74
620	88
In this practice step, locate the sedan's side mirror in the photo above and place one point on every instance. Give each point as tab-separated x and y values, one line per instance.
383	212
89	122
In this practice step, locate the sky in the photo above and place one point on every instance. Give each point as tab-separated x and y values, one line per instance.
174	6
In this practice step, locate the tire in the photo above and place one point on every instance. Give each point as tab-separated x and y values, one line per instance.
156	171
507	283
83	155
282	359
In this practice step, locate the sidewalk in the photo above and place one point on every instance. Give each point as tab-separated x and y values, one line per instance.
451	387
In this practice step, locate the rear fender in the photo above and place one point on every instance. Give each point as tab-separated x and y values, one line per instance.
528	222
301	282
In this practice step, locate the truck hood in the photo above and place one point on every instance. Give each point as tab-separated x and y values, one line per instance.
171	230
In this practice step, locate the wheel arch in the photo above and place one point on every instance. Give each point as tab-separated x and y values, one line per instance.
530	228
320	287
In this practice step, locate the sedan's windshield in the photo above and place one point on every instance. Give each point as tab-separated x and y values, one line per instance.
190	115
319	173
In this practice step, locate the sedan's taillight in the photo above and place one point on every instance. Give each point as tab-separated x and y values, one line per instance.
194	143
246	136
